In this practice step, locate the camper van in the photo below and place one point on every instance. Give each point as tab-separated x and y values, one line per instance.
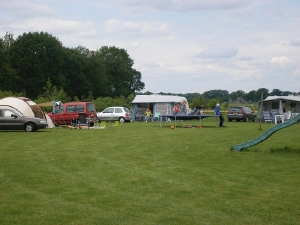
74	112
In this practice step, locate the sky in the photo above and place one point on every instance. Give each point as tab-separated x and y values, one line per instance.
189	46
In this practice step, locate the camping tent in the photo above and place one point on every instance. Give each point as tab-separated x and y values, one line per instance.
158	104
27	108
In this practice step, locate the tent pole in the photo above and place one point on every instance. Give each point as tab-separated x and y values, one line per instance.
260	112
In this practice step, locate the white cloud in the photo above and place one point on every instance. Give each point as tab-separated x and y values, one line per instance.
24	8
218	52
296	73
135	44
179	46
187	5
280	60
115	25
295	43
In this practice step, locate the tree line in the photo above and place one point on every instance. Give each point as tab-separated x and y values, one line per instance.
211	97
38	66
32	60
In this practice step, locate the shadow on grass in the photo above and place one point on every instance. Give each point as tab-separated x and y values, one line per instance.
285	149
22	131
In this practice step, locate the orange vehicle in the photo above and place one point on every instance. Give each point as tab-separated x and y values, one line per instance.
74	112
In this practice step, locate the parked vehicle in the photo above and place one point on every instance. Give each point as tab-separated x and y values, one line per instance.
71	112
114	113
239	113
13	120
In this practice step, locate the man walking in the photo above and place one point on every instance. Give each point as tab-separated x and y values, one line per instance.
218	113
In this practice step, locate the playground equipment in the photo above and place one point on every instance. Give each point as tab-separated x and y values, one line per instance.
267	134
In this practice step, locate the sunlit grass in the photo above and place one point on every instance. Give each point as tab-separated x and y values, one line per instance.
142	173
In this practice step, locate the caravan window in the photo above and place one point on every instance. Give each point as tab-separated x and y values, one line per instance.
163	108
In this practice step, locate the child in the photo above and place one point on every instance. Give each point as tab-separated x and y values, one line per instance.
147	115
176	109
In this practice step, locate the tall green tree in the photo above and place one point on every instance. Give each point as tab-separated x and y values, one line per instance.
258	94
237	94
197	101
74	70
36	57
123	79
7	73
276	92
222	95
250	96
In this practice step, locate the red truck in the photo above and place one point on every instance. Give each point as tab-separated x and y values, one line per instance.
71	113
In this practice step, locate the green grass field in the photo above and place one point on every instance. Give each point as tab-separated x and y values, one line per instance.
142	173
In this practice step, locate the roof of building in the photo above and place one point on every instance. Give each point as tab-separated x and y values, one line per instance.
287	98
155	98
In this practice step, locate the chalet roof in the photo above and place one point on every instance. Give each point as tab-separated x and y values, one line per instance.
155	98
286	98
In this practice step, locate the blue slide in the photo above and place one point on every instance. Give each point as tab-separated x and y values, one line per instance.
267	134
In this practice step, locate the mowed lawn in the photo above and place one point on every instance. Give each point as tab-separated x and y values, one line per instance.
142	173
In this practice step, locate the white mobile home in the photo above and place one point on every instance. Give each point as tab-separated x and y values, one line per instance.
282	104
158	104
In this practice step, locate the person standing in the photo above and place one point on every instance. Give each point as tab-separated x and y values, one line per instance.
176	109
183	107
218	113
147	115
201	112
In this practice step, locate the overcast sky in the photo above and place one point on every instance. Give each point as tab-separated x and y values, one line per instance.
182	46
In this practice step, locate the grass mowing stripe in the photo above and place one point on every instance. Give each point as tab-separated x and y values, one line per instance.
142	173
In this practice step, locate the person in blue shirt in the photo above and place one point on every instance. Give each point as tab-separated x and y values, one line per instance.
218	113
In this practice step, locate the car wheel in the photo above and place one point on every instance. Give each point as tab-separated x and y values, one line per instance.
30	127
99	121
121	119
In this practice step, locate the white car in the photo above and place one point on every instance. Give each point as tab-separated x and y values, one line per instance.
115	113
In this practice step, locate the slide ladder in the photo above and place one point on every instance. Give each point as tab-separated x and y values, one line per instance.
267	134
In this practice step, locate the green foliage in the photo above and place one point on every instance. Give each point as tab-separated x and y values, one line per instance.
4	94
35	58
258	94
102	103
51	93
28	62
7	73
212	103
197	101
223	95
225	105
237	94
142	173
123	79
